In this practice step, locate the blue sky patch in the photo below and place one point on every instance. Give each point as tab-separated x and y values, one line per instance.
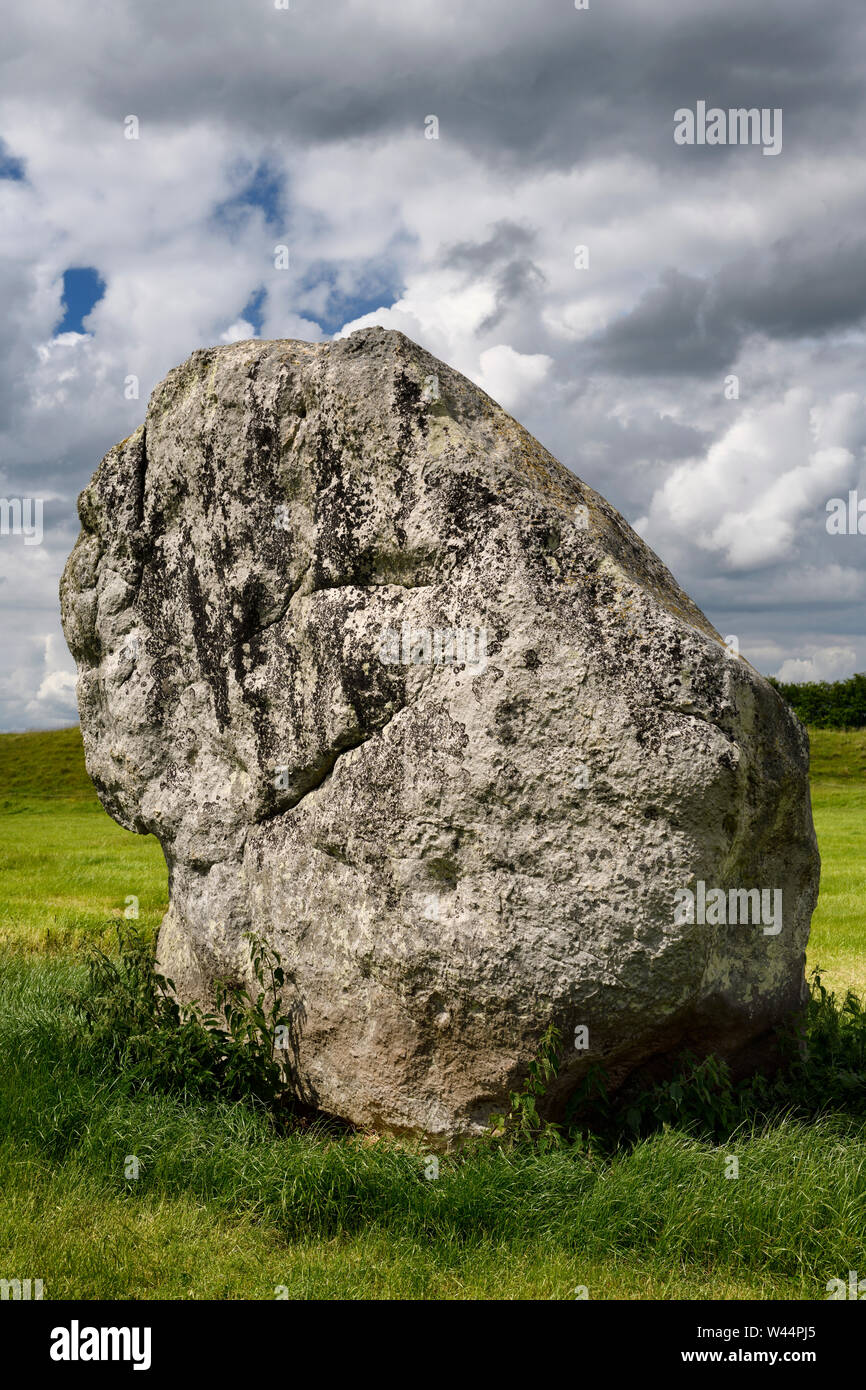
253	310
82	288
262	189
377	287
10	166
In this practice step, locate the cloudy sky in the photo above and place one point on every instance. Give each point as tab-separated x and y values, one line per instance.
309	127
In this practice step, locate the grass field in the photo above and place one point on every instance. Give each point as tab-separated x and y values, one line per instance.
838	942
226	1206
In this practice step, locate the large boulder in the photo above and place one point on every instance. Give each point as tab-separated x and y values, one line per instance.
397	691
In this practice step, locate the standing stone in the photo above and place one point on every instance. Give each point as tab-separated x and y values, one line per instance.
397	691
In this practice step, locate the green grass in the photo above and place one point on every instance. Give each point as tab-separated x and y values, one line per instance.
838	940
224	1206
227	1205
66	868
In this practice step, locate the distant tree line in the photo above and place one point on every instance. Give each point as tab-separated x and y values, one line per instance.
827	704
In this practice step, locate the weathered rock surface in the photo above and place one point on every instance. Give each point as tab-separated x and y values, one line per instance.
449	854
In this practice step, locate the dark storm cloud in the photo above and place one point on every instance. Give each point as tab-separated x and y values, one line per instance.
673	330
689	326
540	83
797	288
504	258
505	243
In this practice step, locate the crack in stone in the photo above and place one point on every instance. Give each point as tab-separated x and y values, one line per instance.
330	763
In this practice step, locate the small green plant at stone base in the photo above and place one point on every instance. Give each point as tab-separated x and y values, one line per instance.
253	1025
523	1124
822	1071
589	1099
132	1018
700	1094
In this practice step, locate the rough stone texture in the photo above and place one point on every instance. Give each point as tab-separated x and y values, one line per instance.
437	878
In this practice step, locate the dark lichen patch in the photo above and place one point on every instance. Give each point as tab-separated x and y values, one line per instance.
442	869
415	568
209	635
469	505
410	407
509	719
340	511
